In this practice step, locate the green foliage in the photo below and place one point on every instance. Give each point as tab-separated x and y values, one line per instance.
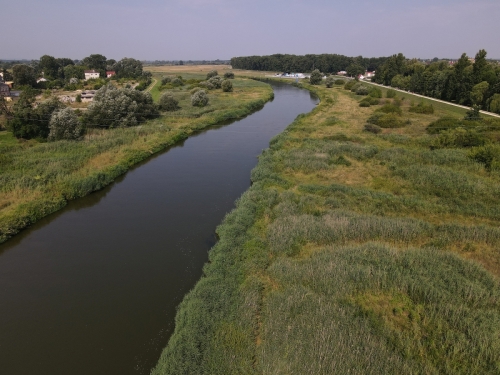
390	108
216	82
227	86
364	103
212	73
166	80
128	68
390	120
372	128
362	90
114	107
95	61
478	93
375	92
24	75
391	94
339	81
349	84
488	155
422	108
177	82
494	104
229	75
355	69
168	103
199	99
78	98
473	114
459	137
316	77
329	82
64	124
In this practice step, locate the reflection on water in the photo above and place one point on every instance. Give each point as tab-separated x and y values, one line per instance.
93	288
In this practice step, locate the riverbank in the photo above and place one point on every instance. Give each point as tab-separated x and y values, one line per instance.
352	252
40	178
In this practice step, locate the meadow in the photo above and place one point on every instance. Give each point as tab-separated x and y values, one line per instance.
38	178
352	252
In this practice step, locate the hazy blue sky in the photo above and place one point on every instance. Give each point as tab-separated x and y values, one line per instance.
210	29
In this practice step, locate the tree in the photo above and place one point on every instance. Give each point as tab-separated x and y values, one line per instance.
114	107
199	99
49	66
97	62
229	75
74	71
478	92
316	77
494	103
329	81
168	103
355	70
24	75
64	124
128	68
227	86
7	76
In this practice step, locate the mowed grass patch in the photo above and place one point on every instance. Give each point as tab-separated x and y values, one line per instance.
352	252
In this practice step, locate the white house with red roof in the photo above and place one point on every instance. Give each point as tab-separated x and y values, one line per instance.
91	74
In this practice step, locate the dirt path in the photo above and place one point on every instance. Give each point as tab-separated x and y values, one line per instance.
433	99
151	86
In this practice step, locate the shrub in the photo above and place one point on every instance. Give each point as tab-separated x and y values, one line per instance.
177	82
329	82
390	108
442	124
375	92
229	75
390	93
199	99
64	124
166	80
473	114
355	86
422	108
195	90
73	81
78	98
459	138
488	155
372	128
362	90
390	120
168	103
349	84
364	103
339	81
216	82
494	103
211	74
227	86
316	77
374	101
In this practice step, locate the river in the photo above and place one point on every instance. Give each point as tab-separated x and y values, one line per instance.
93	288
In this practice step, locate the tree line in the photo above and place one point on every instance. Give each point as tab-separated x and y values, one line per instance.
60	71
326	63
471	82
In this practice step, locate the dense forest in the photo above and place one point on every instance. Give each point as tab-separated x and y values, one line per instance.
326	63
468	81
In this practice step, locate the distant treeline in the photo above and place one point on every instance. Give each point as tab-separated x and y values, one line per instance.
186	62
326	63
467	81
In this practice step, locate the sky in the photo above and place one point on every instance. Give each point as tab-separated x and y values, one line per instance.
221	29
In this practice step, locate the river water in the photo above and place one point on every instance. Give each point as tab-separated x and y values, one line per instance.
93	288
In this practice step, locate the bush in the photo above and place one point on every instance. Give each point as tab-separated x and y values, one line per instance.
375	92
78	98
372	128
73	81
494	103
422	108
390	108
194	90
374	101
229	75
227	86
168	103
442	124
349	84
177	82
339	81
166	80
390	120
329	82
364	103
488	155
64	124
390	93
355	86
199	99
216	82
459	138
473	114
211	74
316	77
362	90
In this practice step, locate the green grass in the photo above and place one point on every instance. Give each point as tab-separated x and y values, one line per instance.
351	253
37	179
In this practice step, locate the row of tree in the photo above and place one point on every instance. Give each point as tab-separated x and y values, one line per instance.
64	69
468	81
326	63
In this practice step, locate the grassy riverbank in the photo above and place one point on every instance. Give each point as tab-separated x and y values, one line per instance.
37	179
352	252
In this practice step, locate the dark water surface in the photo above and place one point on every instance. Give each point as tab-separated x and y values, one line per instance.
93	289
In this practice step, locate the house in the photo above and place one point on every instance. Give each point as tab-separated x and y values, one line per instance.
88	96
361	76
41	80
110	73
369	74
4	90
342	73
91	74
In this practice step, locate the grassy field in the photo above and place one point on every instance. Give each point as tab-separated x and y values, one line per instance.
37	179
352	252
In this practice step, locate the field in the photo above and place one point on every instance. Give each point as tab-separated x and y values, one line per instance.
352	252
38	178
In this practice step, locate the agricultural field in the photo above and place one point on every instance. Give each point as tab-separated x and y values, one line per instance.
38	177
360	248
